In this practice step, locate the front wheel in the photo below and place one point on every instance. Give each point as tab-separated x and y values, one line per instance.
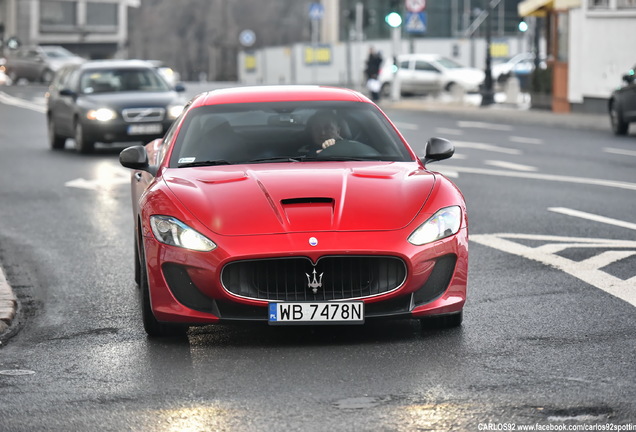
82	143
619	126
55	141
47	76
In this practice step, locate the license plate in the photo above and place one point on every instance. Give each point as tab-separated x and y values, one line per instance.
316	312
145	129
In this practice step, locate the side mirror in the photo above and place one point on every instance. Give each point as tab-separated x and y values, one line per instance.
438	149
136	158
67	92
180	88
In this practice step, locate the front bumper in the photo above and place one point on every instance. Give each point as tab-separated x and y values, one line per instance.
187	287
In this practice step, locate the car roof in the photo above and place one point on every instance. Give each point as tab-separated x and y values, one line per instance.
419	56
278	93
114	64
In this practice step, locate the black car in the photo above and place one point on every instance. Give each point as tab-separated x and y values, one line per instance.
110	101
622	104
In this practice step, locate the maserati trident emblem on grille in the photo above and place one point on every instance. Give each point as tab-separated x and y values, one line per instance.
315	283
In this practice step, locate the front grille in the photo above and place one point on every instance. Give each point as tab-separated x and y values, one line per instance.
297	279
140	115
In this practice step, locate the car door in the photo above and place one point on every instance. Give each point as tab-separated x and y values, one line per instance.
405	74
426	78
64	94
31	65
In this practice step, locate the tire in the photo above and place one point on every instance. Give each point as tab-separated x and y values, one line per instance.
153	327
82	144
385	91
47	76
619	126
13	77
442	321
56	141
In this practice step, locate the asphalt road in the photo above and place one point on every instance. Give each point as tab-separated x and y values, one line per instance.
548	336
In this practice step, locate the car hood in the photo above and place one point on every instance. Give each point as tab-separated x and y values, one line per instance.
301	197
131	99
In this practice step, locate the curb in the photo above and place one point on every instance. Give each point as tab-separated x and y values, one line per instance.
8	304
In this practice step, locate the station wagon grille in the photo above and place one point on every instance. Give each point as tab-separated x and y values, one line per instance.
139	115
297	279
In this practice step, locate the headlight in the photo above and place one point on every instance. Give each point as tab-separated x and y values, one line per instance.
172	231
442	224
174	111
101	114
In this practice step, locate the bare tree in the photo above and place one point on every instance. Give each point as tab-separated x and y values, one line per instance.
201	37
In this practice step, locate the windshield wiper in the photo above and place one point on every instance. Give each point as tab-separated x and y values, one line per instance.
204	163
278	159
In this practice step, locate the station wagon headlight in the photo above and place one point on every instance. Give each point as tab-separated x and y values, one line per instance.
442	224
172	231
174	111
101	114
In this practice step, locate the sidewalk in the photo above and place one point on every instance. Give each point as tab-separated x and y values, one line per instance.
503	110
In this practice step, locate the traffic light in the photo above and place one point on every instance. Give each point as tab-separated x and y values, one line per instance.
523	26
394	17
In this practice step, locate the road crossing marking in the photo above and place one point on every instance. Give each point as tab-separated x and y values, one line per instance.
538	176
588	270
484	125
593	217
487	147
619	151
11	100
447	131
510	165
526	140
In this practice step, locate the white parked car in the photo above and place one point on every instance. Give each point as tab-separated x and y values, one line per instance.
430	73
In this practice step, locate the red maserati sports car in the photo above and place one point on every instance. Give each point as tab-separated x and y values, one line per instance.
294	205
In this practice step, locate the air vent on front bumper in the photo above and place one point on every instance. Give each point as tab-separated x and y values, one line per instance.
297	279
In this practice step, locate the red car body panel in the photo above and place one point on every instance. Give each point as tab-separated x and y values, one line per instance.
272	210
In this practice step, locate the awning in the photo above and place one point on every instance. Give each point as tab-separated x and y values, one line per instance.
540	8
537	8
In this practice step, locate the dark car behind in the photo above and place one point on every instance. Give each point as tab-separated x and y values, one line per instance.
110	101
622	104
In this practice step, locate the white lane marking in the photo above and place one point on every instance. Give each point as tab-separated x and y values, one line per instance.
407	126
526	140
486	147
106	178
593	217
446	131
510	165
483	125
546	177
11	100
589	270
449	174
619	151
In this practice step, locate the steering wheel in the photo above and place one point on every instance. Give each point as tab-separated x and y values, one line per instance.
347	148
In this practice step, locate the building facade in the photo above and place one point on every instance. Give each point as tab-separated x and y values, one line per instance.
90	28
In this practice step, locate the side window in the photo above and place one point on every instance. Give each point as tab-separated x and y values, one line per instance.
404	64
424	66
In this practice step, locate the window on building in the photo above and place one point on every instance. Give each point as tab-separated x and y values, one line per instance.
101	14
626	4
56	15
598	4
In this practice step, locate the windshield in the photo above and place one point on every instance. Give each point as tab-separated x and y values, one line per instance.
448	63
121	80
57	52
286	132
